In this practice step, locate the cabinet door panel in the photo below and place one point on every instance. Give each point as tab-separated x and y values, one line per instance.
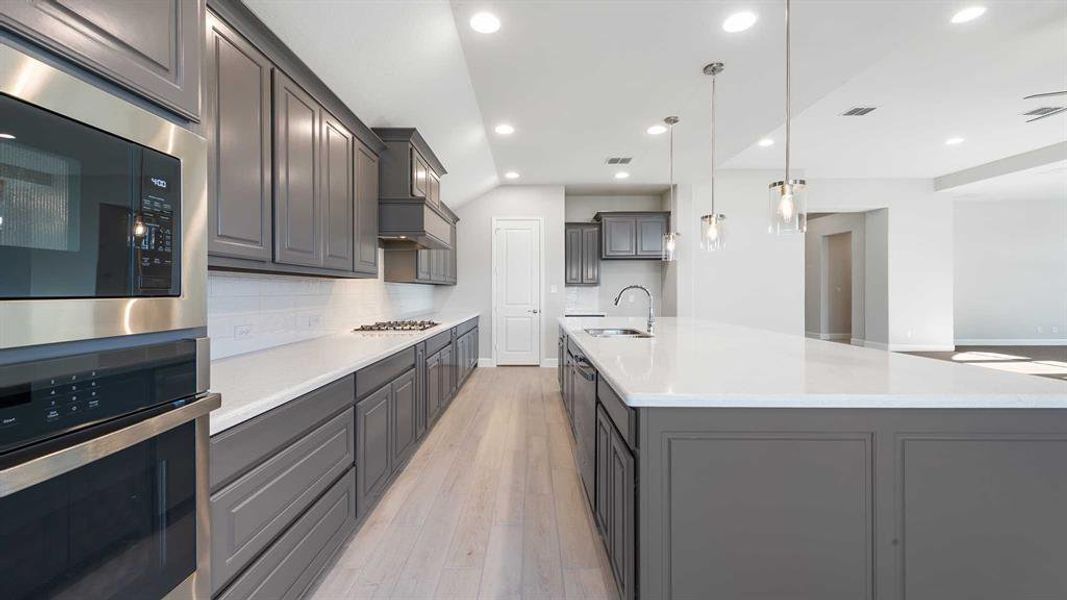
620	237
572	255
420	185
404	411
420	390
297	217
424	265
237	123
589	266
366	211
602	505
336	188
650	230
438	260
622	515
373	465
433	387
151	47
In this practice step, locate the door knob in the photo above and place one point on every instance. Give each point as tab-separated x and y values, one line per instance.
535	311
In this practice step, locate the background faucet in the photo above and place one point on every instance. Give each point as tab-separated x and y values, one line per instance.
651	303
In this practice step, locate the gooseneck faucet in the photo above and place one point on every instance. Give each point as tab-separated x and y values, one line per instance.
651	304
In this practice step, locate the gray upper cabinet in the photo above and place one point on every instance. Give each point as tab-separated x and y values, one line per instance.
151	47
297	216
405	263
582	253
237	123
411	213
337	194
632	235
366	212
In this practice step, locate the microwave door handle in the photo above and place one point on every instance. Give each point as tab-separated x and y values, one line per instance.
26	474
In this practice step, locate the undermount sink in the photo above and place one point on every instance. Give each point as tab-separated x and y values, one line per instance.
631	333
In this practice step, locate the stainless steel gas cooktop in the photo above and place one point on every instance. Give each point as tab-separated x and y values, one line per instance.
397	326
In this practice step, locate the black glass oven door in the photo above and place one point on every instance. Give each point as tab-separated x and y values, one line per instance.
120	527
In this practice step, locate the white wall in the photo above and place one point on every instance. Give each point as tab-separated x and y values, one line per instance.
617	274
475	257
1011	271
249	312
919	256
876	279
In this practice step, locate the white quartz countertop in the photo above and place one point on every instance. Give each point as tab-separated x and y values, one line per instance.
694	363
254	383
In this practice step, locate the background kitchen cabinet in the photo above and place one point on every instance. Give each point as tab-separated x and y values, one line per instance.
297	199
150	47
614	504
632	235
405	263
366	212
237	124
582	253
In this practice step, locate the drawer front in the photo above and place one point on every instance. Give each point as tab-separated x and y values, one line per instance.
624	417
437	342
467	326
293	563
240	448
369	379
252	511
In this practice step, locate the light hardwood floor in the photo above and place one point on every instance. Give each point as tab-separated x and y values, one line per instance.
490	506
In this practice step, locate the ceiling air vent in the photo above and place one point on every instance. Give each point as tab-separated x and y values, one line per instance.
1044	110
859	111
619	160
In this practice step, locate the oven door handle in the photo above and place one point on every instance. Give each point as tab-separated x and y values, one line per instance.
23	475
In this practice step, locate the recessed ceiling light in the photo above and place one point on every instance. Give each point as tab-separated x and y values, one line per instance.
765	142
484	22
953	141
968	14
6	136
621	175
739	21
511	175
656	129
504	129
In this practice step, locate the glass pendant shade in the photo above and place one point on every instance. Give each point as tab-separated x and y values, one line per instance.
712	232
670	246
788	206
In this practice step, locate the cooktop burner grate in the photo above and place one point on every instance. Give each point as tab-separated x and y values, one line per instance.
398	326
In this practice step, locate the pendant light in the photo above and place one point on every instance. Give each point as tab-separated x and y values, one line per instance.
711	225
788	198
670	239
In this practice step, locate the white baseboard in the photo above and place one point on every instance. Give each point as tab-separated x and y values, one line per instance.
921	348
857	341
875	345
833	337
486	362
1012	342
811	334
549	363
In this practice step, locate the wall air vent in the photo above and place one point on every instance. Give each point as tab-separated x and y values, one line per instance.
859	111
1044	110
619	160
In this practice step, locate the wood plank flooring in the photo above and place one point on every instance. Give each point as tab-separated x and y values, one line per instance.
490	506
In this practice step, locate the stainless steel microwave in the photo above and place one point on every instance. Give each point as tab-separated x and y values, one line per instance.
102	212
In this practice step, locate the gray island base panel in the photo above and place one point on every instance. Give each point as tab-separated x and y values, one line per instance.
773	466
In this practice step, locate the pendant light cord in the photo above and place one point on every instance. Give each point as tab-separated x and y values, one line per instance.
788	81
713	145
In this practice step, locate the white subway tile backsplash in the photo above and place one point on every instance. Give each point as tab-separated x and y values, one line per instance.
250	312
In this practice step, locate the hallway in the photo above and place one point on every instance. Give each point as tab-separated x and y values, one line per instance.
490	506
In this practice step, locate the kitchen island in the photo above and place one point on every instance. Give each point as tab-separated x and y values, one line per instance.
731	462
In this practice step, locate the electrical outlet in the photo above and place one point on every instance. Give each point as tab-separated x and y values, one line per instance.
1055	329
312	321
242	331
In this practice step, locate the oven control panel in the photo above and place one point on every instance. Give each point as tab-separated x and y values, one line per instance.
44	398
157	224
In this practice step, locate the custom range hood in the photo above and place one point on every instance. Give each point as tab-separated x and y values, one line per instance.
410	211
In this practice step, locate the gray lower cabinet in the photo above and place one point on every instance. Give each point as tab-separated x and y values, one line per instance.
248	514
434	372
421	414
405	412
150	47
448	373
293	563
632	235
582	253
237	124
614	502
373	451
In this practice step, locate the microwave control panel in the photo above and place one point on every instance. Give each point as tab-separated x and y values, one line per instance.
156	230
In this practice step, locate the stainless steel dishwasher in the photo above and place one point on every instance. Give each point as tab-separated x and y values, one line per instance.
584	383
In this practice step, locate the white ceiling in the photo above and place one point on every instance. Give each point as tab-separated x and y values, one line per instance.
395	64
963	81
1046	182
581	80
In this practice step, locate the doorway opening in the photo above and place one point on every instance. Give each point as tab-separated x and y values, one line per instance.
518	290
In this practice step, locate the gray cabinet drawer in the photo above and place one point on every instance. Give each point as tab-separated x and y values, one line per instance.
240	448
624	417
369	379
434	344
466	326
294	562
252	511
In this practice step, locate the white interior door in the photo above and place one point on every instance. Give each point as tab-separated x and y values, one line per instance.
517	291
